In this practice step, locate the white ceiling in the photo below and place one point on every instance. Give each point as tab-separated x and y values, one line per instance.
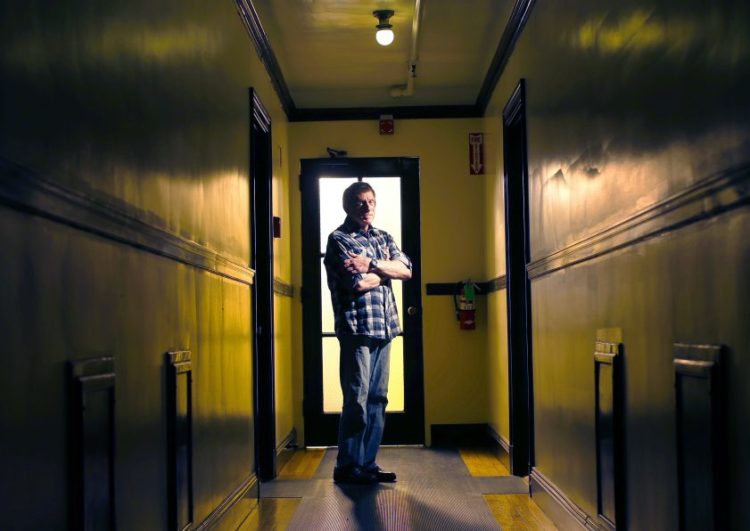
328	56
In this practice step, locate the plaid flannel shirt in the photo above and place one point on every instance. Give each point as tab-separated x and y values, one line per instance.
371	313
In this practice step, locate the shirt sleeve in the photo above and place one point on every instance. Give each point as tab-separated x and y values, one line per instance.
397	254
336	252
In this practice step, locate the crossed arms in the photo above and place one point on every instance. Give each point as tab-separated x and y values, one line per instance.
371	278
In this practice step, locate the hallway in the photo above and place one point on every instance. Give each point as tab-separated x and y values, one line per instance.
437	489
574	188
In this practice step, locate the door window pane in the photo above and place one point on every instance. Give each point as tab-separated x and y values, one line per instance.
388	218
331	209
398	289
326	306
388	210
396	377
332	398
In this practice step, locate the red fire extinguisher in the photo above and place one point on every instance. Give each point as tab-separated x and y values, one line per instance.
465	303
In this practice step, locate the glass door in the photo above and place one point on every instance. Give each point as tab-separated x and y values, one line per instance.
396	185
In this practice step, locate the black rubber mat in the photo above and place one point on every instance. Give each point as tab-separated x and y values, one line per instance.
434	491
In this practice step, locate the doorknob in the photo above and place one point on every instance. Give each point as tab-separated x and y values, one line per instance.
411	310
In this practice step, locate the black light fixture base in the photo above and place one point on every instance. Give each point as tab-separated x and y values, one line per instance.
383	15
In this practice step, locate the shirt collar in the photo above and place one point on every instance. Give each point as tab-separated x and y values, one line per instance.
352	227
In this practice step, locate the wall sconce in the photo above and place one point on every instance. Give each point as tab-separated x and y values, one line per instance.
384	35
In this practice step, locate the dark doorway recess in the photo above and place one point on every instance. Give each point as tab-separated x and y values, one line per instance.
261	249
400	176
518	293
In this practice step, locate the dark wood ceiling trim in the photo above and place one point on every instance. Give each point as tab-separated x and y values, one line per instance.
516	22
402	113
259	37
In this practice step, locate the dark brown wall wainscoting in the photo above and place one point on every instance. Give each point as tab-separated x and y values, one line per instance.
457	435
282	288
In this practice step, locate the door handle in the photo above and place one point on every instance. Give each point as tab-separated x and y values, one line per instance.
411	310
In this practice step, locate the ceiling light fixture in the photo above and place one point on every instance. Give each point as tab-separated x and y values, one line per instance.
384	35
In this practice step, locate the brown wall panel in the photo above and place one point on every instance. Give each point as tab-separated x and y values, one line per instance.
68	303
658	291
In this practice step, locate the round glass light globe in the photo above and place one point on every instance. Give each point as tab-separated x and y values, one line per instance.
384	37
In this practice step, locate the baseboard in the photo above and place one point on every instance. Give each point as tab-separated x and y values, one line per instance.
500	445
285	449
248	488
558	507
454	435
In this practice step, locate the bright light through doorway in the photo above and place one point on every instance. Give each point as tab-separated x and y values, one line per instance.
388	218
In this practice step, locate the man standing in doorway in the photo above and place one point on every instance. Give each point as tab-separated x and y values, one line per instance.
361	261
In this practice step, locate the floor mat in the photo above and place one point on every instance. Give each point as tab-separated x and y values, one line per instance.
434	491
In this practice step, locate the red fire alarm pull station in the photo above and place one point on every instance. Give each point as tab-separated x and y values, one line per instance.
276	227
386	124
476	153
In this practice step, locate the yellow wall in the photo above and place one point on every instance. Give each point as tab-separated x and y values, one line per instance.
453	248
497	317
282	270
284	366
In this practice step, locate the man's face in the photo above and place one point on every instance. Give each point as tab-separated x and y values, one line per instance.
362	211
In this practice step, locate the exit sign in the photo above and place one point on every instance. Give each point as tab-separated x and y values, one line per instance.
476	153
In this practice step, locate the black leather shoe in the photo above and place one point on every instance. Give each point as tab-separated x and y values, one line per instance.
355	475
382	476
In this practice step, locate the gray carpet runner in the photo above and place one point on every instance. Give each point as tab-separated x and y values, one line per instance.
434	491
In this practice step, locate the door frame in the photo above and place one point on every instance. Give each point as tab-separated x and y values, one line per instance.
517	255
410	428
261	252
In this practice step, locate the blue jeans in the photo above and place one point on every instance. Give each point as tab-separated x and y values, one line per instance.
363	369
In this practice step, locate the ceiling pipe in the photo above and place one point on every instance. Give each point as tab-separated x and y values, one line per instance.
408	89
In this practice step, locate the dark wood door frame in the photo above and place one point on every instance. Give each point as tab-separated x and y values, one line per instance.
261	249
400	428
518	293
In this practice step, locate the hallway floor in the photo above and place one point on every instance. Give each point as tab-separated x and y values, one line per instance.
463	489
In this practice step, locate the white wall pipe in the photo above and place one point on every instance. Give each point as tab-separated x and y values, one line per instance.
411	72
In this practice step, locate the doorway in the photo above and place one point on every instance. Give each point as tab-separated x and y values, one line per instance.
261	252
396	184
518	293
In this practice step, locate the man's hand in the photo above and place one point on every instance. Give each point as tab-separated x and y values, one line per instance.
387	269
357	263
